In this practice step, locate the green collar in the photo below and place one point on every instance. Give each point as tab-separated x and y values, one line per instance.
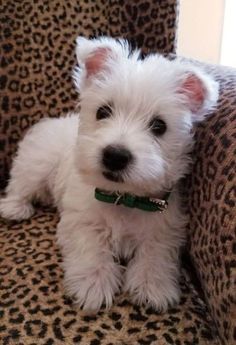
133	201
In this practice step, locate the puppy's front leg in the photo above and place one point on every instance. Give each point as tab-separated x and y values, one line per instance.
152	275
91	275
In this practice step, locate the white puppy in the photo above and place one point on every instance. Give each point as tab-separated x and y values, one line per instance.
130	142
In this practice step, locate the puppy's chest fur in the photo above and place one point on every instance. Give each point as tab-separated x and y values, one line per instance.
128	228
123	228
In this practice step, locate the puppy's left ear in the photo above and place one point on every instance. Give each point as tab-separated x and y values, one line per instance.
199	91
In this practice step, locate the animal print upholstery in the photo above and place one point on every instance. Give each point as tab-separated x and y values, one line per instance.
37	57
37	53
35	310
212	206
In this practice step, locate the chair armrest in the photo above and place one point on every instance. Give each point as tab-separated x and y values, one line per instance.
212	206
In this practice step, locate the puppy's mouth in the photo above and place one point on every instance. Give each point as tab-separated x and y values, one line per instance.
114	177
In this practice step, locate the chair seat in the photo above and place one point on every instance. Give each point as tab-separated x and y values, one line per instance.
35	310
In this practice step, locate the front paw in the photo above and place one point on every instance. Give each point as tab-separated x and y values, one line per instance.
94	287
13	208
149	289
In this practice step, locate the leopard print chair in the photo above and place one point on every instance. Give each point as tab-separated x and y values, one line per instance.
37	57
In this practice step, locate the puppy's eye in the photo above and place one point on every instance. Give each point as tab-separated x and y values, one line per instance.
158	126
103	112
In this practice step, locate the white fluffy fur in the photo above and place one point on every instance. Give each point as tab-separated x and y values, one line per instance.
62	157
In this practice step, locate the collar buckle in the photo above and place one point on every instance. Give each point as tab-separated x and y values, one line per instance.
162	204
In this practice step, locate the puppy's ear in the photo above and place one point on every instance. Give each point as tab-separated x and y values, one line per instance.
200	92
92	55
96	57
96	61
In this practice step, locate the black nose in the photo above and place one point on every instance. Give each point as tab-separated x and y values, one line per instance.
116	158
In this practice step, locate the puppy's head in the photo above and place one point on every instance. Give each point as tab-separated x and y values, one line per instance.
136	116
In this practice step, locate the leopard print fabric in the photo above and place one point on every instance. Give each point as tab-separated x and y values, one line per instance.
212	206
37	53
34	308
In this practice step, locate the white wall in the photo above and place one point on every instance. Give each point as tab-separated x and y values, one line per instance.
228	49
200	29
